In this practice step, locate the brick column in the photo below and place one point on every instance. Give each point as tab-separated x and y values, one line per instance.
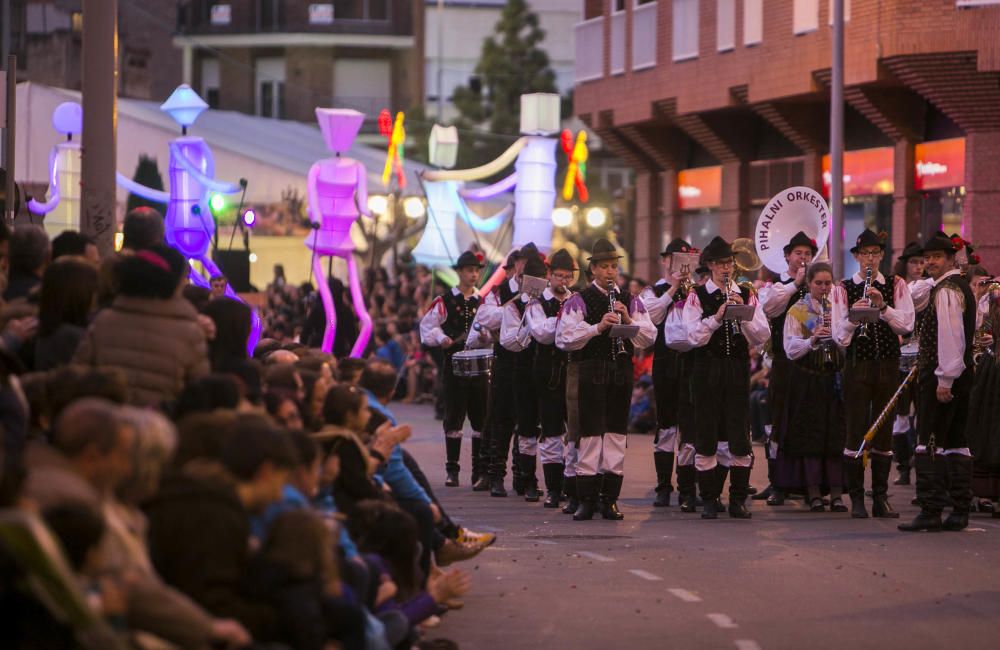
646	228
905	202
982	194
734	209
236	81
812	170
670	214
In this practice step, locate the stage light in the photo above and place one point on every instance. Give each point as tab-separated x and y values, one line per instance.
250	218
378	204
413	207
596	217
253	258
217	203
562	217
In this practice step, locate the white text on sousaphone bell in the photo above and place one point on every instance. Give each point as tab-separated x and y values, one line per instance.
788	199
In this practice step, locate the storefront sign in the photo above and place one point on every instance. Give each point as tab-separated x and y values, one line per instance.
699	188
866	172
940	164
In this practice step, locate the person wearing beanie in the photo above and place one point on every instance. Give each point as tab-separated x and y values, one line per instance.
599	380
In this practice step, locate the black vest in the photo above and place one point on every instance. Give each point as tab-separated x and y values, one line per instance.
778	323
550	353
459	314
660	349
927	360
727	341
882	342
599	347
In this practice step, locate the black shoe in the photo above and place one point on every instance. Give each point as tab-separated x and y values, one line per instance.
662	499
452	479
837	505
497	489
923	521
571	506
585	511
518	484
777	498
763	494
719	505
689	504
751	490
531	493
956	521
903	478
551	500
609	510
882	510
738	510
816	505
858	510
709	511
481	485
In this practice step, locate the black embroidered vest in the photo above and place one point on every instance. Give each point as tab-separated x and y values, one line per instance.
927	360
599	347
882	342
727	341
460	312
778	323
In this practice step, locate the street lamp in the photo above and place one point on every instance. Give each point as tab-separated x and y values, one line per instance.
596	217
562	217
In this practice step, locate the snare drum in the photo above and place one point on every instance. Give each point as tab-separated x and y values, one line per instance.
472	363
908	355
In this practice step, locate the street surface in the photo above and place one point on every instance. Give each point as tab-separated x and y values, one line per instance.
787	579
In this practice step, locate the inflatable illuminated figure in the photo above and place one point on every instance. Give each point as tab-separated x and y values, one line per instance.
62	210
189	224
338	195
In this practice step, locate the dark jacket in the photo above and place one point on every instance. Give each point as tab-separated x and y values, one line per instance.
22	285
199	537
57	348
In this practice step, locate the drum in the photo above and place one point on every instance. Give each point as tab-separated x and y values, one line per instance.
908	356
472	363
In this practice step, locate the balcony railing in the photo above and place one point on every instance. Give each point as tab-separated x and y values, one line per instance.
618	42
589	44
199	17
644	36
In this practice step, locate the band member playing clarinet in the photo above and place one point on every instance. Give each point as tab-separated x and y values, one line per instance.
871	373
599	380
720	380
942	458
667	378
446	325
777	299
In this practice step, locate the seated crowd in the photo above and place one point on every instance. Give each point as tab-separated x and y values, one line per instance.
200	496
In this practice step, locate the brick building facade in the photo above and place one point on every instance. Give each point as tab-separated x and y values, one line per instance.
735	94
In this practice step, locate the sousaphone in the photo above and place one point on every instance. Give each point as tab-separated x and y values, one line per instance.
790	211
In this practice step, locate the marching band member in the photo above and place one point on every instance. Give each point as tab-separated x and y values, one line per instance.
667	384
942	459
599	380
812	417
446	325
910	267
720	380
871	373
776	299
516	338
550	381
983	428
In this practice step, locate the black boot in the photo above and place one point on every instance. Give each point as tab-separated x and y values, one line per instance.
553	475
960	490
477	462
516	476
453	452
708	481
586	487
686	477
901	452
496	487
930	493
739	481
854	473
572	502
881	468
721	474
663	461
611	488
528	478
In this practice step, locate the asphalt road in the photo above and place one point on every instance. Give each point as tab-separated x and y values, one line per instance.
788	578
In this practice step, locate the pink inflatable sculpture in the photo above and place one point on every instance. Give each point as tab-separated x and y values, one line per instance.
338	194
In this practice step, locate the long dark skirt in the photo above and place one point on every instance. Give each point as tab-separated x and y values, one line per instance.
983	428
811	447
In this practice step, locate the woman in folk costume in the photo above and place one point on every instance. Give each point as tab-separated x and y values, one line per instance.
811	446
983	429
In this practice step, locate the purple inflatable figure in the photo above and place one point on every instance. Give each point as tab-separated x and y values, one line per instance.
338	194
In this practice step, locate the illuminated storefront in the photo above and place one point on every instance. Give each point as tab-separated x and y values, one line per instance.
699	195
940	180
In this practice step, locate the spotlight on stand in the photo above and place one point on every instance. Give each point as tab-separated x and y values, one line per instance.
250	218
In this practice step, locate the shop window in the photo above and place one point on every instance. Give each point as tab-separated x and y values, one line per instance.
805	16
593	9
725	25
685	31
753	22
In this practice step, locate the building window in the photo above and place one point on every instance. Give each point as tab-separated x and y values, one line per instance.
753	22
619	5
270	77
210	81
593	9
725	25
805	16
685	29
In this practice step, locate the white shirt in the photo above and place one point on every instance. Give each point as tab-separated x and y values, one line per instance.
951	342
657	307
431	333
489	318
899	318
920	291
573	331
542	327
699	330
674	331
514	336
774	296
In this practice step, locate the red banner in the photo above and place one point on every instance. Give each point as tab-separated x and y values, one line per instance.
699	188
940	164
866	172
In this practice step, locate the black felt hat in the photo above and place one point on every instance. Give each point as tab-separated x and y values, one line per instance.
869	238
535	267
561	260
603	250
913	249
940	242
512	258
717	249
468	258
801	239
678	245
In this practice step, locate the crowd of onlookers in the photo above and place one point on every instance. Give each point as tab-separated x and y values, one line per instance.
162	487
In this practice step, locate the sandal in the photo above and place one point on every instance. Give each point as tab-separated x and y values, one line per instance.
816	505
837	505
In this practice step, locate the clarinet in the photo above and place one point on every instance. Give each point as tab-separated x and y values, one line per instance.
863	330
826	345
617	345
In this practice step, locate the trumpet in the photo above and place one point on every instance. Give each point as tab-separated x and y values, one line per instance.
863	329
617	345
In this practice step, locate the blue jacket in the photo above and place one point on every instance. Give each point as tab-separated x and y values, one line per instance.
292	499
394	471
